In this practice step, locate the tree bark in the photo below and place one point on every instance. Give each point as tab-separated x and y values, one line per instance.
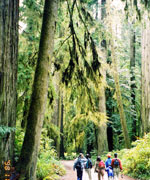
132	81
39	95
145	76
9	15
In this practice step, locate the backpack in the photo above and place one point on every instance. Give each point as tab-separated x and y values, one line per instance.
88	164
101	164
78	165
116	163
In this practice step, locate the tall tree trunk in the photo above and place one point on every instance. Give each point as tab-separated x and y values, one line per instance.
60	143
39	96
8	76
145	76
132	81
59	122
119	97
58	116
102	131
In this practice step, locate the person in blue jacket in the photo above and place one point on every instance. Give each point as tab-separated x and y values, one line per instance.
108	167
108	161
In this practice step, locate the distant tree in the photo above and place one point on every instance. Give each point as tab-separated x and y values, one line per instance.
133	85
102	130
116	80
61	125
119	98
56	110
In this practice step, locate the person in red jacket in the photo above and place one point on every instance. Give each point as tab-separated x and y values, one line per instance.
117	166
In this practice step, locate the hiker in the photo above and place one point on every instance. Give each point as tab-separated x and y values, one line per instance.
108	167
88	166
100	168
116	165
108	161
79	165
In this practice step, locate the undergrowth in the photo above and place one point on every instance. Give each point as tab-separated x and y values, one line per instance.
136	161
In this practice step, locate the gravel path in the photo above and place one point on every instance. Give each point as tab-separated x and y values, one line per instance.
71	175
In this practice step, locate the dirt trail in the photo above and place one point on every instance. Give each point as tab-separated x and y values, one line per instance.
71	175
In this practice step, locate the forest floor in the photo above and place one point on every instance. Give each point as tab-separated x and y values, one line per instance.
71	175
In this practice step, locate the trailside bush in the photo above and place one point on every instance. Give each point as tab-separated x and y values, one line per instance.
136	161
48	168
70	156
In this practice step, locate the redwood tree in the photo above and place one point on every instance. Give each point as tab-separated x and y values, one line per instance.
8	77
145	111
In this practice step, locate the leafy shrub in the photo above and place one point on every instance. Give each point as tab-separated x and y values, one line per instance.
48	167
136	161
70	156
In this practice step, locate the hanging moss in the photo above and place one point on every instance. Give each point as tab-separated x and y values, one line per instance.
95	64
67	74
